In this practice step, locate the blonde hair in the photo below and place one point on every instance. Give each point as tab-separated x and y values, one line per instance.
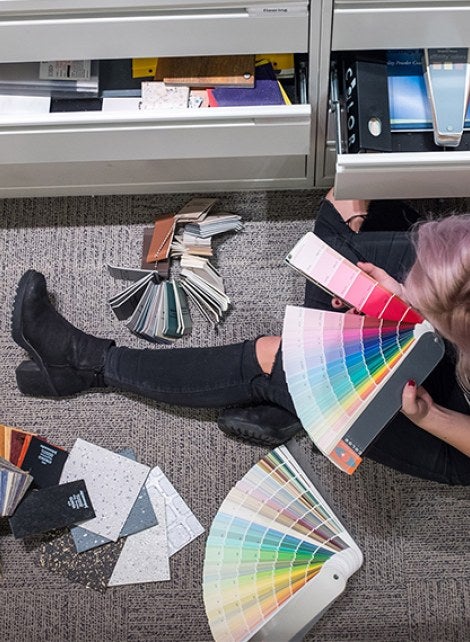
438	283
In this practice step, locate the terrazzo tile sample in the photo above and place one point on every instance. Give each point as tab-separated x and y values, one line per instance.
142	516
92	568
113	483
144	557
181	524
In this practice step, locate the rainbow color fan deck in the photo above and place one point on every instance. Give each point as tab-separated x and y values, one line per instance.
276	555
346	372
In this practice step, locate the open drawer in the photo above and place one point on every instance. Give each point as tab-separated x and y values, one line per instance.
375	24
101	152
170	134
416	168
76	29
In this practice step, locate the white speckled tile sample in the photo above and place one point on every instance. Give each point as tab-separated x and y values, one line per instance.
113	483
142	516
181	524
144	557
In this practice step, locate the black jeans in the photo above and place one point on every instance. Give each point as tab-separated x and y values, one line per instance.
215	377
230	375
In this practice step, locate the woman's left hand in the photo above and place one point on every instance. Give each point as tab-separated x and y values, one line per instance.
450	426
416	402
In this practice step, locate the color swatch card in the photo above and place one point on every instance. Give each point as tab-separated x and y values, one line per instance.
51	508
326	267
113	483
141	517
14	483
195	209
13	443
181	524
162	315
44	462
144	557
346	373
276	555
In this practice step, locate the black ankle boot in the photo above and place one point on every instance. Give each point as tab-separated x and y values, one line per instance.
260	425
66	360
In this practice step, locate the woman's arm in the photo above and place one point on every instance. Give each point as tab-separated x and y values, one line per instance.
450	426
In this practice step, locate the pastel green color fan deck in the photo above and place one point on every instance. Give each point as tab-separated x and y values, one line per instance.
276	555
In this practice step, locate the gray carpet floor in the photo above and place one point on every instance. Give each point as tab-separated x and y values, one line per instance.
414	584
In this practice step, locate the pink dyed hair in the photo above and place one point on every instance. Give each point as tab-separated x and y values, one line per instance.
438	283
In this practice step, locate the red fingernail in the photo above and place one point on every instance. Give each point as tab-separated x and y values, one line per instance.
412	383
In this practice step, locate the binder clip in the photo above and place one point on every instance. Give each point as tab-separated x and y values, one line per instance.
447	74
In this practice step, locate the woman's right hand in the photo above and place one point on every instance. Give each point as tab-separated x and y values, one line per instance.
383	278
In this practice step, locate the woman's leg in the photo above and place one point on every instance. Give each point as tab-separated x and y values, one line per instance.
213	377
66	360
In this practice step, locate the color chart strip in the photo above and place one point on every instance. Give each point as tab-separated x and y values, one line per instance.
323	265
272	534
335	364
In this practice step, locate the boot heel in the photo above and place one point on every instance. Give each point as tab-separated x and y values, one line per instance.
31	381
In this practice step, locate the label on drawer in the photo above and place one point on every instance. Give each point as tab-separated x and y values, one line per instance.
65	69
295	8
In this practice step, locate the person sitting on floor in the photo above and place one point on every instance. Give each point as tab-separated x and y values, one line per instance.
429	267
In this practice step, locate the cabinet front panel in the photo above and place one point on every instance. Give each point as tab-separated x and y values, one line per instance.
132	177
395	24
218	133
403	175
162	31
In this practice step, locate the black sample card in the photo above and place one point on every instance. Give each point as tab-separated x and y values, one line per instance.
50	508
44	462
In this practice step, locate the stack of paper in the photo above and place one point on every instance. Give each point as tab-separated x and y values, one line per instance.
157	307
187	243
216	224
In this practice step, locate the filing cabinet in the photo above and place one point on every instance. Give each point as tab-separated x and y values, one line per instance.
165	150
387	25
